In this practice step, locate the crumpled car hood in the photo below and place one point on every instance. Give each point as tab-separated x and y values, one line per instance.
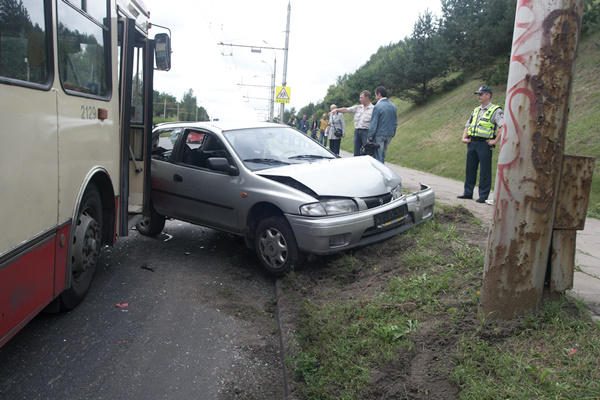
345	177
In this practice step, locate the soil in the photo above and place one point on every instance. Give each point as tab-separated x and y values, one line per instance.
419	373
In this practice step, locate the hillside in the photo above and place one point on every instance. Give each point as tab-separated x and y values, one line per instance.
428	137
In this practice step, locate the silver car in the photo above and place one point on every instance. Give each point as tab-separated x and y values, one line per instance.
282	191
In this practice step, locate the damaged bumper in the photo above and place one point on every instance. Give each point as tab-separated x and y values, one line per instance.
327	235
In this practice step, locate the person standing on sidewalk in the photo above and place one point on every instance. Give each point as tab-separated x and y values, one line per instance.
324	124
384	122
303	124
480	135
362	118
336	130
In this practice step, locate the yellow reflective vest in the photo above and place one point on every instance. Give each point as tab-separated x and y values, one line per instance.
483	127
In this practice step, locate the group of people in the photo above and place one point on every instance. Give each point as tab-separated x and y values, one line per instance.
375	126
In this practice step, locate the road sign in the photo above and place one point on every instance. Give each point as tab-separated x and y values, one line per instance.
283	94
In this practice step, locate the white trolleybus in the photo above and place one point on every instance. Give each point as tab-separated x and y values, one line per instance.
75	120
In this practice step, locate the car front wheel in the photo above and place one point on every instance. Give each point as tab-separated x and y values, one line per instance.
276	246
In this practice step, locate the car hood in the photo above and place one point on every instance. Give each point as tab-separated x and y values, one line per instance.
346	177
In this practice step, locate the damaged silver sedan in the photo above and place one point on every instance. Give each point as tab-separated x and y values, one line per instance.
279	189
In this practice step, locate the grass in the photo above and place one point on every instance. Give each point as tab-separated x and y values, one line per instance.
553	355
436	277
428	137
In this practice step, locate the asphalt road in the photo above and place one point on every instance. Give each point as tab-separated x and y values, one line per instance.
195	321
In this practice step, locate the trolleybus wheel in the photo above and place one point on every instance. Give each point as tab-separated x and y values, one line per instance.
85	248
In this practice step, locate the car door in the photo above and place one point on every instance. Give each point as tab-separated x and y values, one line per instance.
164	142
197	193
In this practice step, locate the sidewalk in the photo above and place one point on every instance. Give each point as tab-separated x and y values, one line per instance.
586	282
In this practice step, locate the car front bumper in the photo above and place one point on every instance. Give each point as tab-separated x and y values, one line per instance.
327	235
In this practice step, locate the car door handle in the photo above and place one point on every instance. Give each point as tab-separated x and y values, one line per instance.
177	178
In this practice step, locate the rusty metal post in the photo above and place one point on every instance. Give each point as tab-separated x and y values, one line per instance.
569	217
529	164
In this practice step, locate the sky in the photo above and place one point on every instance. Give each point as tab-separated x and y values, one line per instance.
327	39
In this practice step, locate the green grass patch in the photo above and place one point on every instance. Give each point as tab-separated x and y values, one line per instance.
433	289
342	341
552	355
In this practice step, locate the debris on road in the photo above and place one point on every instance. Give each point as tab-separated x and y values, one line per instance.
147	268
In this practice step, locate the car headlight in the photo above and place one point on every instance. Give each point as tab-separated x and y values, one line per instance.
396	192
329	207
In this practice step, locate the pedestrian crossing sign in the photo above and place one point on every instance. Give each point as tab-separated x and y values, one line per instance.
283	94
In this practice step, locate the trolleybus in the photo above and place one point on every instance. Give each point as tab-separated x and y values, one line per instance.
75	120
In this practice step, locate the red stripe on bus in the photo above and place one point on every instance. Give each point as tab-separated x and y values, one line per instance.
26	286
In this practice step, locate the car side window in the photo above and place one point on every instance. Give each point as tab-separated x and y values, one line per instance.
200	146
163	142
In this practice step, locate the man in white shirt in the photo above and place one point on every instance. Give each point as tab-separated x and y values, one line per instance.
362	118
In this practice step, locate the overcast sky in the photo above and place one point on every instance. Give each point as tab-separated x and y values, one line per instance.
327	39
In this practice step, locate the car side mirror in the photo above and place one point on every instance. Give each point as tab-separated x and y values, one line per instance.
222	164
162	51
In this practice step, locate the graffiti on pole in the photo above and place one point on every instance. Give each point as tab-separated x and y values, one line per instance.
531	152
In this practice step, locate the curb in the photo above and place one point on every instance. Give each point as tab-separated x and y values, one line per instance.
282	341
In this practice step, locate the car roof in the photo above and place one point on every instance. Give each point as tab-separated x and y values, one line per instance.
220	125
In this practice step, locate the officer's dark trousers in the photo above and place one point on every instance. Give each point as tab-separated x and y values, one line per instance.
479	153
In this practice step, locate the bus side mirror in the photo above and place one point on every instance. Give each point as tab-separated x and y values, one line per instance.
162	51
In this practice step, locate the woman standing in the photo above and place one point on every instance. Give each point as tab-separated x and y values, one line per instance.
336	129
323	126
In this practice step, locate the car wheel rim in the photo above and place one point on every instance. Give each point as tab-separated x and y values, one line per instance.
273	248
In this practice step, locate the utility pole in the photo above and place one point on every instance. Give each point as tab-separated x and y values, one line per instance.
165	109
518	253
272	103
258	49
285	58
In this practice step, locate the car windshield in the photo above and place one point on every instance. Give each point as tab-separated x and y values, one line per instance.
261	148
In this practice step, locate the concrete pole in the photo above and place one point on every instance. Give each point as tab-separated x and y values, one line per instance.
272	104
531	152
165	109
285	58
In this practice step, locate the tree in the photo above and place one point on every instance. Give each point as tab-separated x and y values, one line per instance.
477	31
427	57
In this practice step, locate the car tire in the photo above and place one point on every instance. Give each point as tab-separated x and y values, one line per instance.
151	225
275	245
85	248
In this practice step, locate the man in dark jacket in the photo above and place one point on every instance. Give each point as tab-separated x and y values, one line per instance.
384	122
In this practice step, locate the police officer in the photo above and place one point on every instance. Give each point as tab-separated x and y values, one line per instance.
480	135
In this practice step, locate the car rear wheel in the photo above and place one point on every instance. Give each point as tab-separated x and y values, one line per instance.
151	225
276	246
85	248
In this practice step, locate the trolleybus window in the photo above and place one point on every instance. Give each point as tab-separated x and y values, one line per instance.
24	37
83	50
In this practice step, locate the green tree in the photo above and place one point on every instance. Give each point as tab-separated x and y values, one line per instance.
427	57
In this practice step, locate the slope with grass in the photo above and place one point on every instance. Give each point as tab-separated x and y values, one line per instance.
428	137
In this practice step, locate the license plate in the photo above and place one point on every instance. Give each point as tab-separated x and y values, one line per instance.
390	217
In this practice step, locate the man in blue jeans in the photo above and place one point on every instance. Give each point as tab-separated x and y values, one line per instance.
362	118
384	122
480	136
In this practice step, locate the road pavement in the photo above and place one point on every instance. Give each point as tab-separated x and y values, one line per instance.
188	315
586	285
